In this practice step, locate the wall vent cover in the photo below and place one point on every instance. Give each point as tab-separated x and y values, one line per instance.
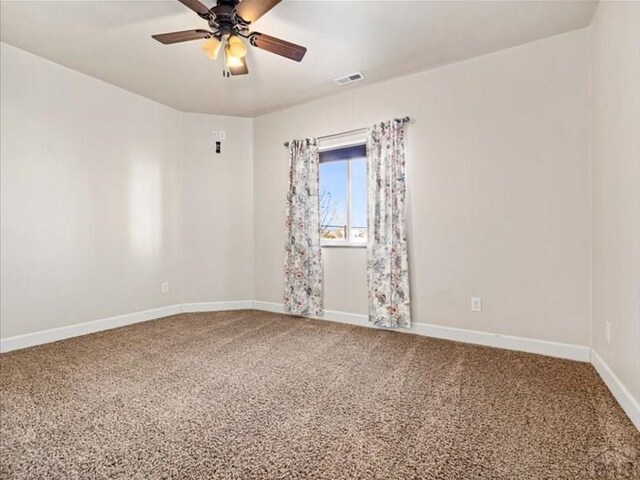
352	77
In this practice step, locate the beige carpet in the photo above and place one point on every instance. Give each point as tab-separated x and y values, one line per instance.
248	394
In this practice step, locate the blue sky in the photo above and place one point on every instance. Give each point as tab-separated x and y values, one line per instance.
333	179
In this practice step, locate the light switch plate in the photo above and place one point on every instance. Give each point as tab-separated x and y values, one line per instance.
476	304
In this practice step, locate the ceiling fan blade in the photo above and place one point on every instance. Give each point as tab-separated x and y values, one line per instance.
277	46
185	36
241	70
196	6
252	10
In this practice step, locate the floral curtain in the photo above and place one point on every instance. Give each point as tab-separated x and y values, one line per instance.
387	259
302	259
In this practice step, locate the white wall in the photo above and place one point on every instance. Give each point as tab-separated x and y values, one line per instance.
95	205
615	149
498	179
218	206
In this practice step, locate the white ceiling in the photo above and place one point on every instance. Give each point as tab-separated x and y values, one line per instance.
110	40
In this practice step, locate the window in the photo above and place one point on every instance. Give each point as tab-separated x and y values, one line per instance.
343	196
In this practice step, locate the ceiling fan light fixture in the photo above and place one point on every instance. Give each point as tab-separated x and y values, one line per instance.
233	61
211	47
236	48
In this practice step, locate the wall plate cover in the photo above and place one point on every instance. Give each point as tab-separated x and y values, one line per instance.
476	304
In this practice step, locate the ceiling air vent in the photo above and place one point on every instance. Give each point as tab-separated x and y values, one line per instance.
352	77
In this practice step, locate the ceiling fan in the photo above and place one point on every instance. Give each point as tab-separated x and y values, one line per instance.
229	21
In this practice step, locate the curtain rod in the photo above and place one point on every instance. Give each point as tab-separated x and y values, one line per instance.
401	119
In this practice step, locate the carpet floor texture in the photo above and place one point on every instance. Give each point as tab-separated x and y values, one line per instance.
256	395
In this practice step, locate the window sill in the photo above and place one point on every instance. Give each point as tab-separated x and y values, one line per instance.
343	245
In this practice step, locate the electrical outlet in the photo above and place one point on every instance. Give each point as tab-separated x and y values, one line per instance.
164	287
215	135
476	304
607	331
223	135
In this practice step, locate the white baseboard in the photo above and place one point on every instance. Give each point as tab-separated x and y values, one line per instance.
567	351
554	349
543	347
627	401
62	333
217	306
268	306
55	334
331	315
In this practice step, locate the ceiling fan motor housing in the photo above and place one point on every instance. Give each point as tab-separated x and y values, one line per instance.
225	18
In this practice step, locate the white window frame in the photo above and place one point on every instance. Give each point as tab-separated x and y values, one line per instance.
347	243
